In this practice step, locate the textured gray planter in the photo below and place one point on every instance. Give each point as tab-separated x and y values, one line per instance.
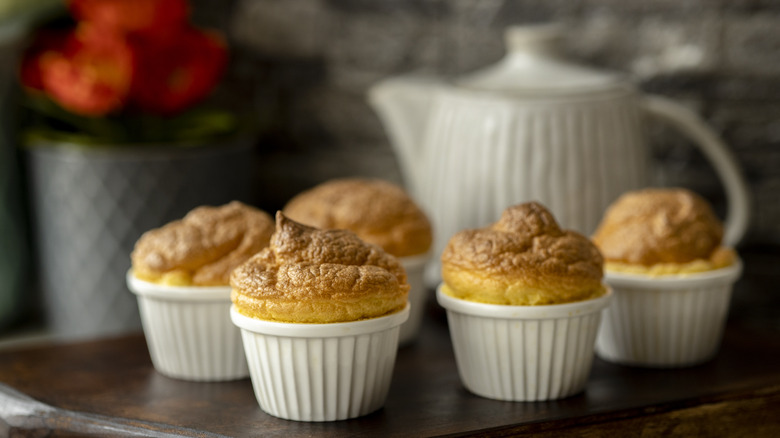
91	205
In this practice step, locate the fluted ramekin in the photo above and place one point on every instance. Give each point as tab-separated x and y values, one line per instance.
321	372
666	322
189	332
523	353
418	296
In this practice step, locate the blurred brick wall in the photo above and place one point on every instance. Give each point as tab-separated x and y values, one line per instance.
303	67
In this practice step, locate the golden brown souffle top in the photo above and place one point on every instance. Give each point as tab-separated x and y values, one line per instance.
523	259
377	211
673	230
204	247
307	275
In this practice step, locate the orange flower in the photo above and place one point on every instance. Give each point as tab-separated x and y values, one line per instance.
177	72
46	40
154	16
92	74
139	54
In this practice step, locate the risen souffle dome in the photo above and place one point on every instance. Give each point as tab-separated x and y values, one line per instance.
523	259
377	211
204	247
307	275
660	232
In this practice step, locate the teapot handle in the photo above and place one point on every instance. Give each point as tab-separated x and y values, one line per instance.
719	156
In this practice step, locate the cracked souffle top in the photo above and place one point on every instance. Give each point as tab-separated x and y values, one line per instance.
523	259
204	247
307	275
377	211
662	231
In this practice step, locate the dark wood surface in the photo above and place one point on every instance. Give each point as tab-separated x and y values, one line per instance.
109	387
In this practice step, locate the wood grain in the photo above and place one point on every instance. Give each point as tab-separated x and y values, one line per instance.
19	412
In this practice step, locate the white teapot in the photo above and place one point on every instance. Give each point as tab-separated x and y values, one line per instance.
533	127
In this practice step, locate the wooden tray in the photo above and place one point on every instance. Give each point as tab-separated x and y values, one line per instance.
108	387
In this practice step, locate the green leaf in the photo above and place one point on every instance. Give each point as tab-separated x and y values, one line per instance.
50	121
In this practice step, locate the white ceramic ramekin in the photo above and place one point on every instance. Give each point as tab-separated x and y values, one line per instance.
189	332
321	372
418	296
523	353
666	322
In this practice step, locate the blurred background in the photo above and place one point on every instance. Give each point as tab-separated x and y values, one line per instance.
300	69
312	61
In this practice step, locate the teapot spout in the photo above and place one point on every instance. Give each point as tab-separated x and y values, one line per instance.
403	105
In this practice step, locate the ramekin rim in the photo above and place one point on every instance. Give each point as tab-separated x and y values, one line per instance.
178	293
715	276
325	330
504	311
415	260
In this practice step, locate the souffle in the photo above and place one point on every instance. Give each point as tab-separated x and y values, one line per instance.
307	275
662	232
377	211
204	247
523	259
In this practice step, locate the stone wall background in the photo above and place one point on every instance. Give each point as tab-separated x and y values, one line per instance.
302	67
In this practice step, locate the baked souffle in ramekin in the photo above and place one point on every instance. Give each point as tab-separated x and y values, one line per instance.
307	275
658	232
524	258
204	247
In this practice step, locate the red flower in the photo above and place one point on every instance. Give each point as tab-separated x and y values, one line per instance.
151	16
140	53
91	74
177	72
45	41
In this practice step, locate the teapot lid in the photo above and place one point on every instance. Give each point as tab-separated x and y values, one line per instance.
534	65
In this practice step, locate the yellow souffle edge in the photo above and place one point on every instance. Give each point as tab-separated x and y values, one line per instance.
518	297
720	258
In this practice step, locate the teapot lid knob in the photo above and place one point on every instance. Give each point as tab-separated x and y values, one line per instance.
538	38
534	65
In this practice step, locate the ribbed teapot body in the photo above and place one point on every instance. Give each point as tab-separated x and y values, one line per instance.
482	153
